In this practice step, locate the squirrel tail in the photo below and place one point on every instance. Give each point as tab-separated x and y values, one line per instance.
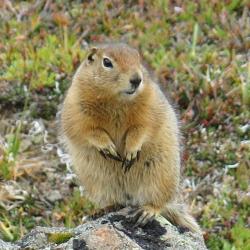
178	215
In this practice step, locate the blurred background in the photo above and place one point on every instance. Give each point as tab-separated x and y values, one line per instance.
199	51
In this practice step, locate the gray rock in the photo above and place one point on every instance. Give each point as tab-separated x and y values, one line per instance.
7	246
112	231
54	195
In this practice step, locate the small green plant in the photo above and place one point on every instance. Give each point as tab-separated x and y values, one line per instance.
7	230
7	163
246	87
194	40
71	211
59	238
240	235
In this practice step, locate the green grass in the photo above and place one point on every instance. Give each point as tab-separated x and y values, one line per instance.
59	238
38	66
19	220
198	51
7	163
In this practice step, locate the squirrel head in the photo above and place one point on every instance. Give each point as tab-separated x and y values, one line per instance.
113	68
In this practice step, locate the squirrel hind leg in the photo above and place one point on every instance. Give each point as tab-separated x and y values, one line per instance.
178	215
141	216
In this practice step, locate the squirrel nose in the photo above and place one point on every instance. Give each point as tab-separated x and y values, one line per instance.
135	80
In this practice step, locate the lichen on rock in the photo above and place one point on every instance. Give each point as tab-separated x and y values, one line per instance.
111	231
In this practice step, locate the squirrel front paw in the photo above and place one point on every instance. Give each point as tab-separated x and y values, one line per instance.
109	151
130	158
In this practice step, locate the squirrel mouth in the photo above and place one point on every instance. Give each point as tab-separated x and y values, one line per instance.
130	92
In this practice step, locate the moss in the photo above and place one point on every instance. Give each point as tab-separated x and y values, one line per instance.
59	238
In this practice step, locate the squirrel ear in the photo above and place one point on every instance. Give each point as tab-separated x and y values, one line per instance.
91	54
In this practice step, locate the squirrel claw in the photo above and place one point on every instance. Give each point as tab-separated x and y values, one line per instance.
127	164
140	217
115	157
112	155
138	155
144	219
130	160
102	154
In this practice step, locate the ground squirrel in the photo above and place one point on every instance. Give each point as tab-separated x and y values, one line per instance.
123	137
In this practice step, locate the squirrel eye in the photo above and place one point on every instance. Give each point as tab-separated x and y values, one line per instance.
107	63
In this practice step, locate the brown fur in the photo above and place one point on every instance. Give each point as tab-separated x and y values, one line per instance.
98	114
